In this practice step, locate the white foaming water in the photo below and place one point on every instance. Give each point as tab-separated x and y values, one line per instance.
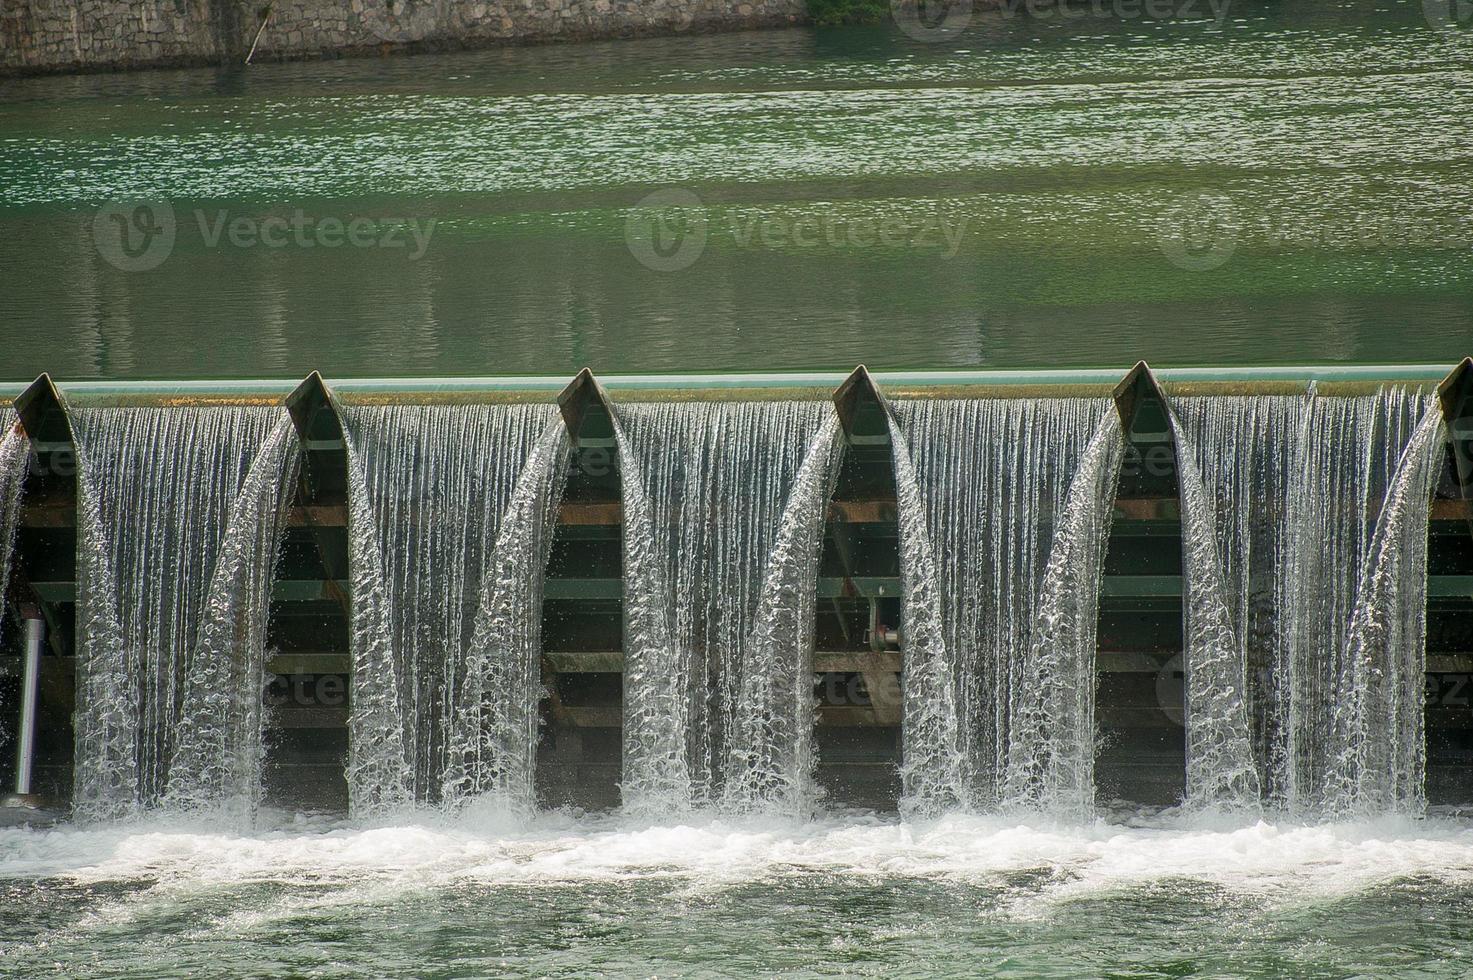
1063	861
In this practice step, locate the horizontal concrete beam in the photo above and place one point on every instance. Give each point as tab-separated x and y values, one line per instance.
796	384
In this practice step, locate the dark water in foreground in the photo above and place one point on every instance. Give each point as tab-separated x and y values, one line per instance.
566	897
1288	182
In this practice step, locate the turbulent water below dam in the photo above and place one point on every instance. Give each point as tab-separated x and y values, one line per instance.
847	894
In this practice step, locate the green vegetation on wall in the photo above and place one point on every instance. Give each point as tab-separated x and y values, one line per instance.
826	13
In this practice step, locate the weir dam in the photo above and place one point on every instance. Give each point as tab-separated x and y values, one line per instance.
1012	591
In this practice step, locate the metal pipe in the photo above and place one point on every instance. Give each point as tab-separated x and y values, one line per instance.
1106	378
831	379
26	743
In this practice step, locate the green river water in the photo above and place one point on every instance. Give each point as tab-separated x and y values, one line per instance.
1287	183
1275	183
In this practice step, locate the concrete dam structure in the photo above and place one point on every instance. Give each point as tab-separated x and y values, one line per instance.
1043	592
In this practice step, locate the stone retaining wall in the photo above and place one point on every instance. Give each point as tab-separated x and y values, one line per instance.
87	35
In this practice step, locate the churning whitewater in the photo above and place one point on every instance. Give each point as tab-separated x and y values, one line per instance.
432	850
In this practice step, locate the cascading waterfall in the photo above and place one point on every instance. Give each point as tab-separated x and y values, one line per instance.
1304	528
492	743
1051	743
771	751
380	772
219	740
1234	442
934	767
714	478
15	450
428	488
1380	760
992	474
1350	449
156	490
656	774
1309	604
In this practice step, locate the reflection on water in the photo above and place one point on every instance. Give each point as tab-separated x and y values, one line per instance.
1280	186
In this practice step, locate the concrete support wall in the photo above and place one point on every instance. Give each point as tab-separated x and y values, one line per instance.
82	35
